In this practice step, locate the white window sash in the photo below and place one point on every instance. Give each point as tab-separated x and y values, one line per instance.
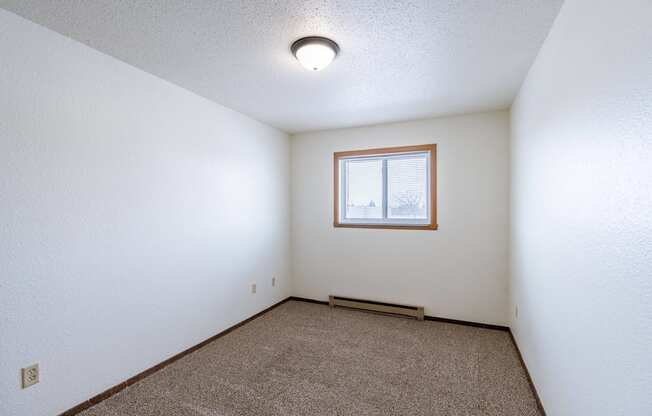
344	191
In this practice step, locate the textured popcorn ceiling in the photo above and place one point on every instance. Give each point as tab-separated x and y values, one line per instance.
399	60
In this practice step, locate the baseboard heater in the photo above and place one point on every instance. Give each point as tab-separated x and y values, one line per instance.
382	307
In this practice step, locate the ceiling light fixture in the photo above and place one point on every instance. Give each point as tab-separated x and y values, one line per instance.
315	52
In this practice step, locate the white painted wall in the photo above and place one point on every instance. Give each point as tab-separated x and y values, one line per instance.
582	211
133	217
459	271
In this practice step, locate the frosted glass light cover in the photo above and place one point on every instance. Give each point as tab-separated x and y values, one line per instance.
314	52
315	56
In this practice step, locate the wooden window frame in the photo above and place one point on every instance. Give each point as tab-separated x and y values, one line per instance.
432	148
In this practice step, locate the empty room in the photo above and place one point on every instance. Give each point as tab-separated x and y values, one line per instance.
326	207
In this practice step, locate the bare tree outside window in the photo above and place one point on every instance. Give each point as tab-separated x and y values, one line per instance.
410	204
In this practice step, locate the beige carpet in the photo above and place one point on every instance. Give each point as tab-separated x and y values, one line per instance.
308	359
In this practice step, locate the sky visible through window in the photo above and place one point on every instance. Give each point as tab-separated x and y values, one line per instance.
365	188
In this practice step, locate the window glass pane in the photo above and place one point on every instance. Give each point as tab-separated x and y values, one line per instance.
364	188
407	187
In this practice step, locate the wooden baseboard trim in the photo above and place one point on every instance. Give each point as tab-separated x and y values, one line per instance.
319	302
467	323
527	373
118	387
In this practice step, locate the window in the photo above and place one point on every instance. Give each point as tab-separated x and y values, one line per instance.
386	188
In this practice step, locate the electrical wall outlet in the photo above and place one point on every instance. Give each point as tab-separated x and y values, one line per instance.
253	288
273	281
29	375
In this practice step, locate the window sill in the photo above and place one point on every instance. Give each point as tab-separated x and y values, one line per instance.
425	227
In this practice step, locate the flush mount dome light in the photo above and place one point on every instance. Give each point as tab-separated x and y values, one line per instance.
315	52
